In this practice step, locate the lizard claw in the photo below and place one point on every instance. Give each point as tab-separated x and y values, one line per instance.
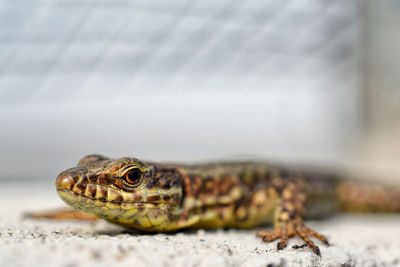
316	251
288	230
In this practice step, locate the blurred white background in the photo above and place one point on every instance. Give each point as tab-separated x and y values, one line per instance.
180	81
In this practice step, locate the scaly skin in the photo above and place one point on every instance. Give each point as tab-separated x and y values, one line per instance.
167	197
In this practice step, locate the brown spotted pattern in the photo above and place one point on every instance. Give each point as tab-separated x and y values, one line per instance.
262	190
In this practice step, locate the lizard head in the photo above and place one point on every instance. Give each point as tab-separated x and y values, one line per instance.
125	191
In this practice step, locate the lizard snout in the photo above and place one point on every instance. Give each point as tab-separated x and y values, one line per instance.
64	181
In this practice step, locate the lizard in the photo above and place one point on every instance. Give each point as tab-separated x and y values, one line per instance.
161	197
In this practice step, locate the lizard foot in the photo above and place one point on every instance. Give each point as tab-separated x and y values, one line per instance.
290	229
61	214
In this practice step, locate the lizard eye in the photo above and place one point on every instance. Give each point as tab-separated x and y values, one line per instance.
133	177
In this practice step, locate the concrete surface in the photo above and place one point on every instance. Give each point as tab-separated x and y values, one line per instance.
356	240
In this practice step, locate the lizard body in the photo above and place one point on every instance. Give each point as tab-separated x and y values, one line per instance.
168	197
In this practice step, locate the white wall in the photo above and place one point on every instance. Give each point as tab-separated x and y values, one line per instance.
170	80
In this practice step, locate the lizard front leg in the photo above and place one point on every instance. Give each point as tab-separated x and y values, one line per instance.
61	214
289	215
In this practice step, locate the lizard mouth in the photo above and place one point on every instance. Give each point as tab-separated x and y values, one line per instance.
138	215
79	191
72	197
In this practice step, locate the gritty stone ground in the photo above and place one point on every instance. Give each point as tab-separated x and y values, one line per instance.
368	240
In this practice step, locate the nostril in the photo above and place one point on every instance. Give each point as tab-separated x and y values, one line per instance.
64	181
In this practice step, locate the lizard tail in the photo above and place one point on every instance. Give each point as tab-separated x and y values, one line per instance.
368	198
